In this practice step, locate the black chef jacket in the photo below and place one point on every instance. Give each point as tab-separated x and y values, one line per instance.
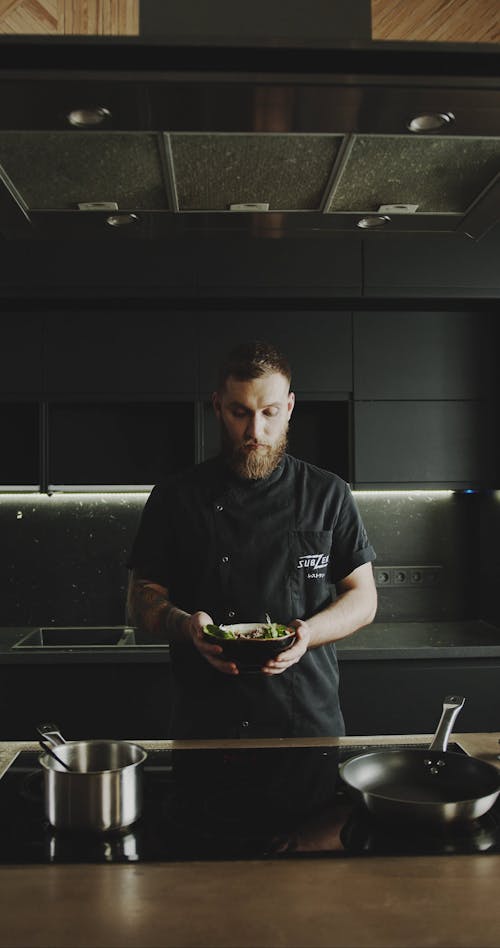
241	549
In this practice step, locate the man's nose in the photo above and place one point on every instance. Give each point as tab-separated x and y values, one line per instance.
255	427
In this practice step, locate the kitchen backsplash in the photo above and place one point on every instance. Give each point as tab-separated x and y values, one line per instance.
62	559
415	529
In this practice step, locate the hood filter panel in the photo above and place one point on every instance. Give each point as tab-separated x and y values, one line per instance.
60	170
440	175
288	172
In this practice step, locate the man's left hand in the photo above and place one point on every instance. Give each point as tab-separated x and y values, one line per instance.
292	655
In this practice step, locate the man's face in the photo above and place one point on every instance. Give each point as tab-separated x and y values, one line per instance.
254	418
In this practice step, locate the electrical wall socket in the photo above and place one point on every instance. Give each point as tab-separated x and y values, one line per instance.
407	576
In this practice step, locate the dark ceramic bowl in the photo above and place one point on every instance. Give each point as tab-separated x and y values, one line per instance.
250	654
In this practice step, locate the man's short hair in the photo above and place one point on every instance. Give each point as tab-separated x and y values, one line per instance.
252	360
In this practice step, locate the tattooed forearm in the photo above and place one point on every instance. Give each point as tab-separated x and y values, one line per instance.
150	609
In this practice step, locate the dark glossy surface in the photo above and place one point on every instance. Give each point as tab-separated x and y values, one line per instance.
228	804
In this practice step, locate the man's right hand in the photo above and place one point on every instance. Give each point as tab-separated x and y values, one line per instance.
212	653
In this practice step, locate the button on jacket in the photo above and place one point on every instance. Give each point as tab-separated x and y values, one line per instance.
239	550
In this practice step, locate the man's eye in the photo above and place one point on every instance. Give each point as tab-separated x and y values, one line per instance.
272	412
239	412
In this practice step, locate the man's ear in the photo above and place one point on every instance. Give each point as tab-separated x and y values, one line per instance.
291	403
216	403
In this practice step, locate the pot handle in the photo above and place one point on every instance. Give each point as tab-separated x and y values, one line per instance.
51	734
452	704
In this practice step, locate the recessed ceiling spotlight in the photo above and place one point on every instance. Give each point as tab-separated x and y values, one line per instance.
369	222
430	122
122	220
85	118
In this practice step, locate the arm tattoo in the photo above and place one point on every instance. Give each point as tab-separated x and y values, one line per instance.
150	609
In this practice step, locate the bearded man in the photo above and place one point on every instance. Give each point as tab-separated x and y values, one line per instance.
253	533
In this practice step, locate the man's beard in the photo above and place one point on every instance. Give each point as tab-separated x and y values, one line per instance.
254	464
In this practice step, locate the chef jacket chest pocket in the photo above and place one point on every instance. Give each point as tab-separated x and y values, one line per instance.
310	568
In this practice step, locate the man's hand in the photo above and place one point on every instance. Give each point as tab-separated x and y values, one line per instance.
212	653
275	666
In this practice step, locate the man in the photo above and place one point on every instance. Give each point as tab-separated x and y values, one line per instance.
251	533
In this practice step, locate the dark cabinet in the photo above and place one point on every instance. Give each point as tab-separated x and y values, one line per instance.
118	443
426	265
406	696
21	367
424	355
129	700
425	399
318	345
234	266
121	353
426	443
19	434
423	385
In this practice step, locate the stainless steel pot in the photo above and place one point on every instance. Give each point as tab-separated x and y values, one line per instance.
430	786
102	788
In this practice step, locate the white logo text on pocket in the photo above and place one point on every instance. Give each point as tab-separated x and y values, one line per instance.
315	562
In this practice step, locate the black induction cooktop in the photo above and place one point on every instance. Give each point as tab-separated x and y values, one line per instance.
248	803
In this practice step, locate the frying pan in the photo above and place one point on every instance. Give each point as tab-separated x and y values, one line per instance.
428	786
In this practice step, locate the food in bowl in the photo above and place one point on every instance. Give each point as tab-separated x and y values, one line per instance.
251	644
249	630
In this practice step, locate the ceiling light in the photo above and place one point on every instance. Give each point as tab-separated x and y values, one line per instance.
84	118
430	122
122	220
368	222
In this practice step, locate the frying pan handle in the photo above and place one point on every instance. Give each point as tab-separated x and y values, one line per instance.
451	706
51	734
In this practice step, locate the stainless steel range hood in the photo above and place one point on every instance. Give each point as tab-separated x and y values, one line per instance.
245	151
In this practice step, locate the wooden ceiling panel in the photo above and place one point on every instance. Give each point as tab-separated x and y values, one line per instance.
458	21
439	21
31	16
102	17
70	17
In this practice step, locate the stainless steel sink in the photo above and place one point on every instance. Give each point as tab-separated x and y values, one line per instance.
80	637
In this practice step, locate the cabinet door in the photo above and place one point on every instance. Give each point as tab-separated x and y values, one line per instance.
87	698
118	444
429	265
317	345
405	697
19	438
21	353
422	355
235	266
427	443
121	353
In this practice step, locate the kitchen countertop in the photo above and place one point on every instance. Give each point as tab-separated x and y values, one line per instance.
380	640
418	902
398	640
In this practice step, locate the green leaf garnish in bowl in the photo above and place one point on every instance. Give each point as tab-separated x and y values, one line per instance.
217	632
